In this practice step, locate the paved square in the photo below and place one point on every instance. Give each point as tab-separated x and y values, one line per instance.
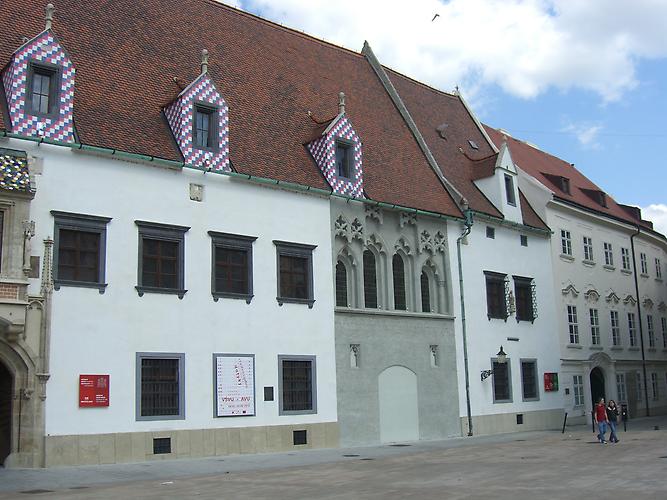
546	465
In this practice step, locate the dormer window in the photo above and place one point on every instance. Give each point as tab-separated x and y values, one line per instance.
509	190
43	89
205	133
565	185
343	153
602	199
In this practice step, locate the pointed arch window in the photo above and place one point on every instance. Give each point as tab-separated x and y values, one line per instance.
370	280
426	292
398	268
341	285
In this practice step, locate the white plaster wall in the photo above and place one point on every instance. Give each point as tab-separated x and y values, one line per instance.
95	333
536	341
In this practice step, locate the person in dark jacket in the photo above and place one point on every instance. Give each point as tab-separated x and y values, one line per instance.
612	417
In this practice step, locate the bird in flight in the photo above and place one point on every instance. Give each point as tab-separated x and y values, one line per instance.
434	17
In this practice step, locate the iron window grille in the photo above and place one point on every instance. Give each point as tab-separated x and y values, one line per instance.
525	296
231	275
79	254
161	446
497	295
650	327
297	384
205	125
295	273
43	89
502	390
529	382
370	280
398	268
161	258
160	385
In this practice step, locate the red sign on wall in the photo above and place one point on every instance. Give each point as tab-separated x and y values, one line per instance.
550	382
93	390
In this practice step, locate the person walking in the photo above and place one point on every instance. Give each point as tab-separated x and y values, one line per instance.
612	418
600	413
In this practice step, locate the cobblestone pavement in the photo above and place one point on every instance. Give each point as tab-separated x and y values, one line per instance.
544	465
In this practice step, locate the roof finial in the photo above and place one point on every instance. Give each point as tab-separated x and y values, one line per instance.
50	9
341	103
204	61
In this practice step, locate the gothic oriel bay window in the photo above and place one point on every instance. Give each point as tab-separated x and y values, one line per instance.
370	280
398	268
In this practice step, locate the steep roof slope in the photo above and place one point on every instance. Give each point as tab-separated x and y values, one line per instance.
546	168
133	58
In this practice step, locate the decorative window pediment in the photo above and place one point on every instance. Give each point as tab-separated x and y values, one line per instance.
662	306
629	299
39	87
611	297
648	303
570	289
337	153
592	294
199	120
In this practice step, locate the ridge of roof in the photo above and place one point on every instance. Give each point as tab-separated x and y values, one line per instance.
282	27
452	94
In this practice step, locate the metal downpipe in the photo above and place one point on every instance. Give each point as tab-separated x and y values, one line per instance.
466	232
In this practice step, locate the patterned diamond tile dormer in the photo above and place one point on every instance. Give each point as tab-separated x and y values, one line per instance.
339	137
41	60
201	96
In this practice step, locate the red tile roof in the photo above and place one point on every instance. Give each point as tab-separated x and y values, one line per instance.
133	58
546	168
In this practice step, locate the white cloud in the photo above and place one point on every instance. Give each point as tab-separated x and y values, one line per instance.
585	133
523	46
656	213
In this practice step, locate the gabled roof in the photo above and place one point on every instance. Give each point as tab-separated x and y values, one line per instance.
132	56
546	168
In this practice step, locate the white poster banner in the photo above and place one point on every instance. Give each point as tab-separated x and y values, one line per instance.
234	385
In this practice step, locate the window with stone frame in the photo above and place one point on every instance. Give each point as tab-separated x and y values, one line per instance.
644	263
595	326
496	295
625	259
615	328
524	289
295	273
654	386
425	283
573	324
161	258
529	380
658	269
160	386
620	387
663	322
370	280
232	266
650	328
398	269
578	389
565	242
79	250
43	89
502	385
205	133
608	254
341	285
632	329
588	249
297	385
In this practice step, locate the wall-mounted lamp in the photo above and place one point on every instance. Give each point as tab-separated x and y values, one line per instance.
501	358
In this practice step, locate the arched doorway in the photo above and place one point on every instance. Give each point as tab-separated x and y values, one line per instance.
6	383
399	414
597	385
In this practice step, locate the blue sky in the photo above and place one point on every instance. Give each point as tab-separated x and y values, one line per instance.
585	80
